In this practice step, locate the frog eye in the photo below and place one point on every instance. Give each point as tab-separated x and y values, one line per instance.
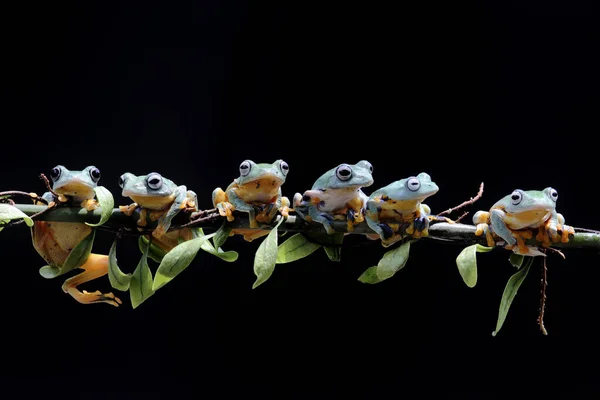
369	166
55	173
516	197
122	181
343	172
154	180
553	194
284	167
245	168
413	184
95	174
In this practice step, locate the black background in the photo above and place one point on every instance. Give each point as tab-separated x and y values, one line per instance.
507	95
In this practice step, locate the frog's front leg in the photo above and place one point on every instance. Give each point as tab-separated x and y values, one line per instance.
565	230
241	205
481	219
325	219
384	231
499	227
128	210
90	204
419	226
95	267
182	198
225	208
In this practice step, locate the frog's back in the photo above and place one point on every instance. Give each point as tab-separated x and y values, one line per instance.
55	240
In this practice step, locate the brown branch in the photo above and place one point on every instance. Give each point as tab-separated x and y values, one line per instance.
544	284
465	203
462	216
48	186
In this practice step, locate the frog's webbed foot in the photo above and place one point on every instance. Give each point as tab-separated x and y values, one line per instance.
128	210
89	204
420	226
520	237
226	209
484	228
95	267
284	208
324	219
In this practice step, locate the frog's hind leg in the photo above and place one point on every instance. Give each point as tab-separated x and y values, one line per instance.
95	267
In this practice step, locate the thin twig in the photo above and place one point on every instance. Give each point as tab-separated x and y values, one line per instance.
48	186
31	195
462	216
544	284
560	253
585	230
466	203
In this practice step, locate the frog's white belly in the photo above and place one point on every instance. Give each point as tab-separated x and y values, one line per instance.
335	199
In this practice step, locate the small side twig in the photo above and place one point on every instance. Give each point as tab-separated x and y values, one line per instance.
544	284
462	216
48	186
585	230
465	203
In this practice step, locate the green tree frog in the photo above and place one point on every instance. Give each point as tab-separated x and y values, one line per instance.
159	199
337	194
54	241
257	191
390	208
514	217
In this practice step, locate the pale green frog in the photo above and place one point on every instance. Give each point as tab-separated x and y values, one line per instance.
337	194
399	204
257	191
54	241
514	217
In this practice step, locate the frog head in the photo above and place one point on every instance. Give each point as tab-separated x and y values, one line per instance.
151	191
530	204
413	188
346	176
262	175
79	185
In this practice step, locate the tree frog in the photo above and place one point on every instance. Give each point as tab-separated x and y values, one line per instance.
159	198
399	203
514	216
257	191
54	241
337	194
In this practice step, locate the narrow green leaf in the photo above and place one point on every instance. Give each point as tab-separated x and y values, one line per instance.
483	249
295	248
221	235
118	279
467	265
516	260
177	260
393	261
229	256
266	256
154	252
333	252
140	285
510	291
370	276
75	259
9	212
106	203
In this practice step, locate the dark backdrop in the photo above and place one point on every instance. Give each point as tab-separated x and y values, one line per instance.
507	95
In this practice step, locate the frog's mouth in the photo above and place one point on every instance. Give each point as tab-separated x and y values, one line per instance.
531	218
77	189
152	202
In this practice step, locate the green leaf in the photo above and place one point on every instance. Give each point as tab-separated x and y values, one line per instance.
295	248
266	256
140	286
9	212
333	252
221	235
177	260
393	261
510	291
118	279
106	203
467	263
516	260
370	276
154	252
229	256
75	259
